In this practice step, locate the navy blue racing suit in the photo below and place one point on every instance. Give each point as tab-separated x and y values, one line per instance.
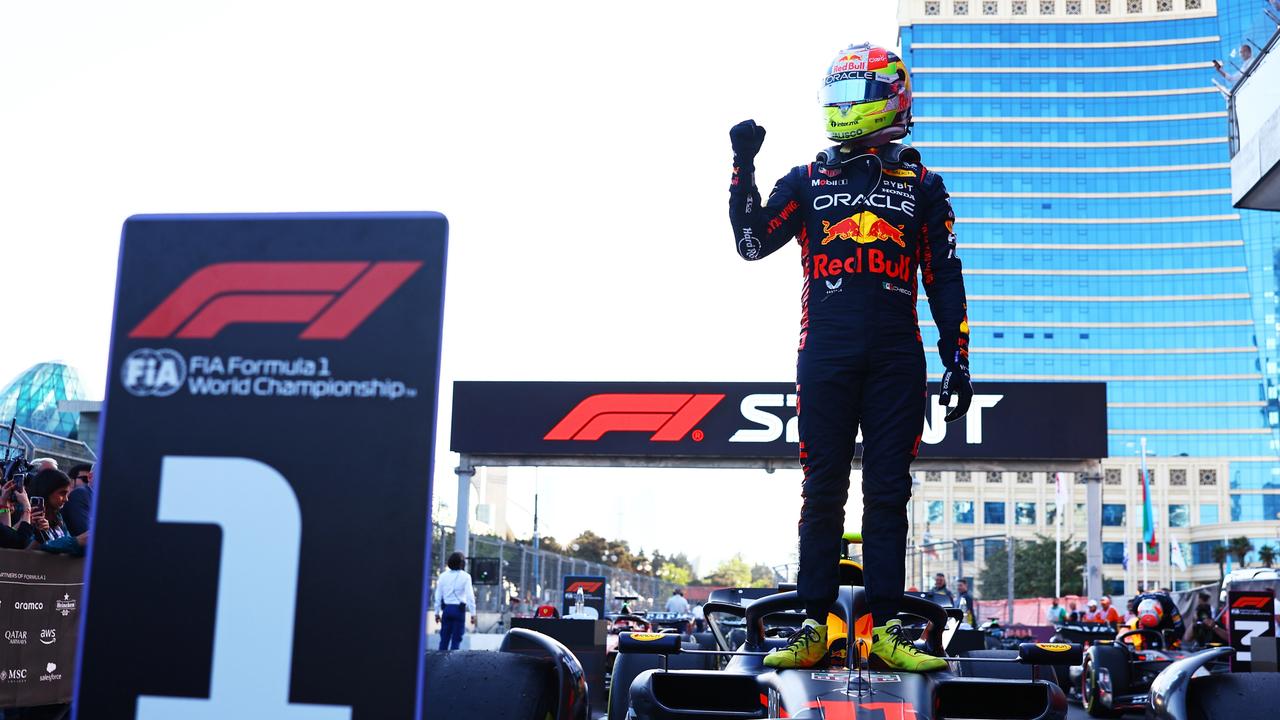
865	228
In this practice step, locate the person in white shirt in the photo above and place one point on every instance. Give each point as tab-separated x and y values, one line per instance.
454	596
676	603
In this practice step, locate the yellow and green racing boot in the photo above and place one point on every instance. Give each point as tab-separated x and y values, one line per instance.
807	647
890	644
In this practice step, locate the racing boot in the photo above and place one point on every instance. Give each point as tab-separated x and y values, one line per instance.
889	644
808	645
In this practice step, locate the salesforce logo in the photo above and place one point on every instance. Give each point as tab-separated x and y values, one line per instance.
153	373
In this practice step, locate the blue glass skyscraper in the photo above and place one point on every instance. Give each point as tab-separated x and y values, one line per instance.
1085	147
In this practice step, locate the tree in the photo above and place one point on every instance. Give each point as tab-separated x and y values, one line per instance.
734	572
1266	555
1033	569
589	546
1240	547
763	576
1220	557
675	574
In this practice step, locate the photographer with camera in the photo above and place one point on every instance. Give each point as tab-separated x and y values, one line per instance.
18	537
1206	629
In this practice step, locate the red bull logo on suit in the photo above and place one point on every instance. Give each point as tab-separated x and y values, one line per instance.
863	228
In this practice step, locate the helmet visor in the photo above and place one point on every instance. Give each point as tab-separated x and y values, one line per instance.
857	86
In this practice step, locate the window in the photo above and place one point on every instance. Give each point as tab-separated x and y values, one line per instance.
1046	7
1111	476
1073	7
1113	553
964	550
1254	508
962	476
1177	477
1113	587
990	7
1208	477
994	545
993	513
995	477
933	7
963	512
1103	7
1079	518
932	476
961	7
1134	6
1024	478
1164	5
1019	7
1179	516
1050	513
1193	4
1025	513
1208	513
1112	515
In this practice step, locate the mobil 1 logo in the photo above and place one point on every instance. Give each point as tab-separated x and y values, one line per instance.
255	361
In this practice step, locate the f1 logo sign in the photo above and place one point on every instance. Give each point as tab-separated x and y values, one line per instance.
670	416
586	587
334	298
1254	601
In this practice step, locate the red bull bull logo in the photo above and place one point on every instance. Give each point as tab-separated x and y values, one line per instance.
863	228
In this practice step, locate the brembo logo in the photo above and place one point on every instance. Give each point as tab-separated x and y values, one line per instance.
333	298
669	416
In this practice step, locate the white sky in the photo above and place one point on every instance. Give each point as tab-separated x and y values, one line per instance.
580	151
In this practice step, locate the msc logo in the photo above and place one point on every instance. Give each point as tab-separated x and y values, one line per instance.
153	373
334	298
670	416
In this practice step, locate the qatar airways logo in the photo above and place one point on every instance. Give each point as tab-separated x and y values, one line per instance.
766	410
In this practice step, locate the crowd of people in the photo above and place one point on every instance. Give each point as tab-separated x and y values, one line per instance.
44	508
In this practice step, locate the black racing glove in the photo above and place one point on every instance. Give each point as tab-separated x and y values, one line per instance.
956	380
747	137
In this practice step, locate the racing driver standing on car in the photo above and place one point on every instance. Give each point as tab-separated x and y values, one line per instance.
868	216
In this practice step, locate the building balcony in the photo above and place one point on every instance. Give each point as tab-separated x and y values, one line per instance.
1254	104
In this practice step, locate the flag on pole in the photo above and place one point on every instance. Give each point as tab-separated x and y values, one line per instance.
1148	520
1175	553
1059	493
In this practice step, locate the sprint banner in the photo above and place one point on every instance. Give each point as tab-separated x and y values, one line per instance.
1007	421
261	527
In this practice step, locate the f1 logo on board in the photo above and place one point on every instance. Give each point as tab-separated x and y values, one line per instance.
1252	601
333	298
586	587
670	416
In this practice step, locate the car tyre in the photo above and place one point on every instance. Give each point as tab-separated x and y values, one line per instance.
1089	691
459	684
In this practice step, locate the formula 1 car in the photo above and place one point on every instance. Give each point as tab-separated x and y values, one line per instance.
1116	675
657	677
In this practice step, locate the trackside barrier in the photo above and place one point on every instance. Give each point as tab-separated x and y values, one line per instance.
40	603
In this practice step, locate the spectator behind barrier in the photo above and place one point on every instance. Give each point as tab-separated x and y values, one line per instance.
939	593
19	536
54	487
79	505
